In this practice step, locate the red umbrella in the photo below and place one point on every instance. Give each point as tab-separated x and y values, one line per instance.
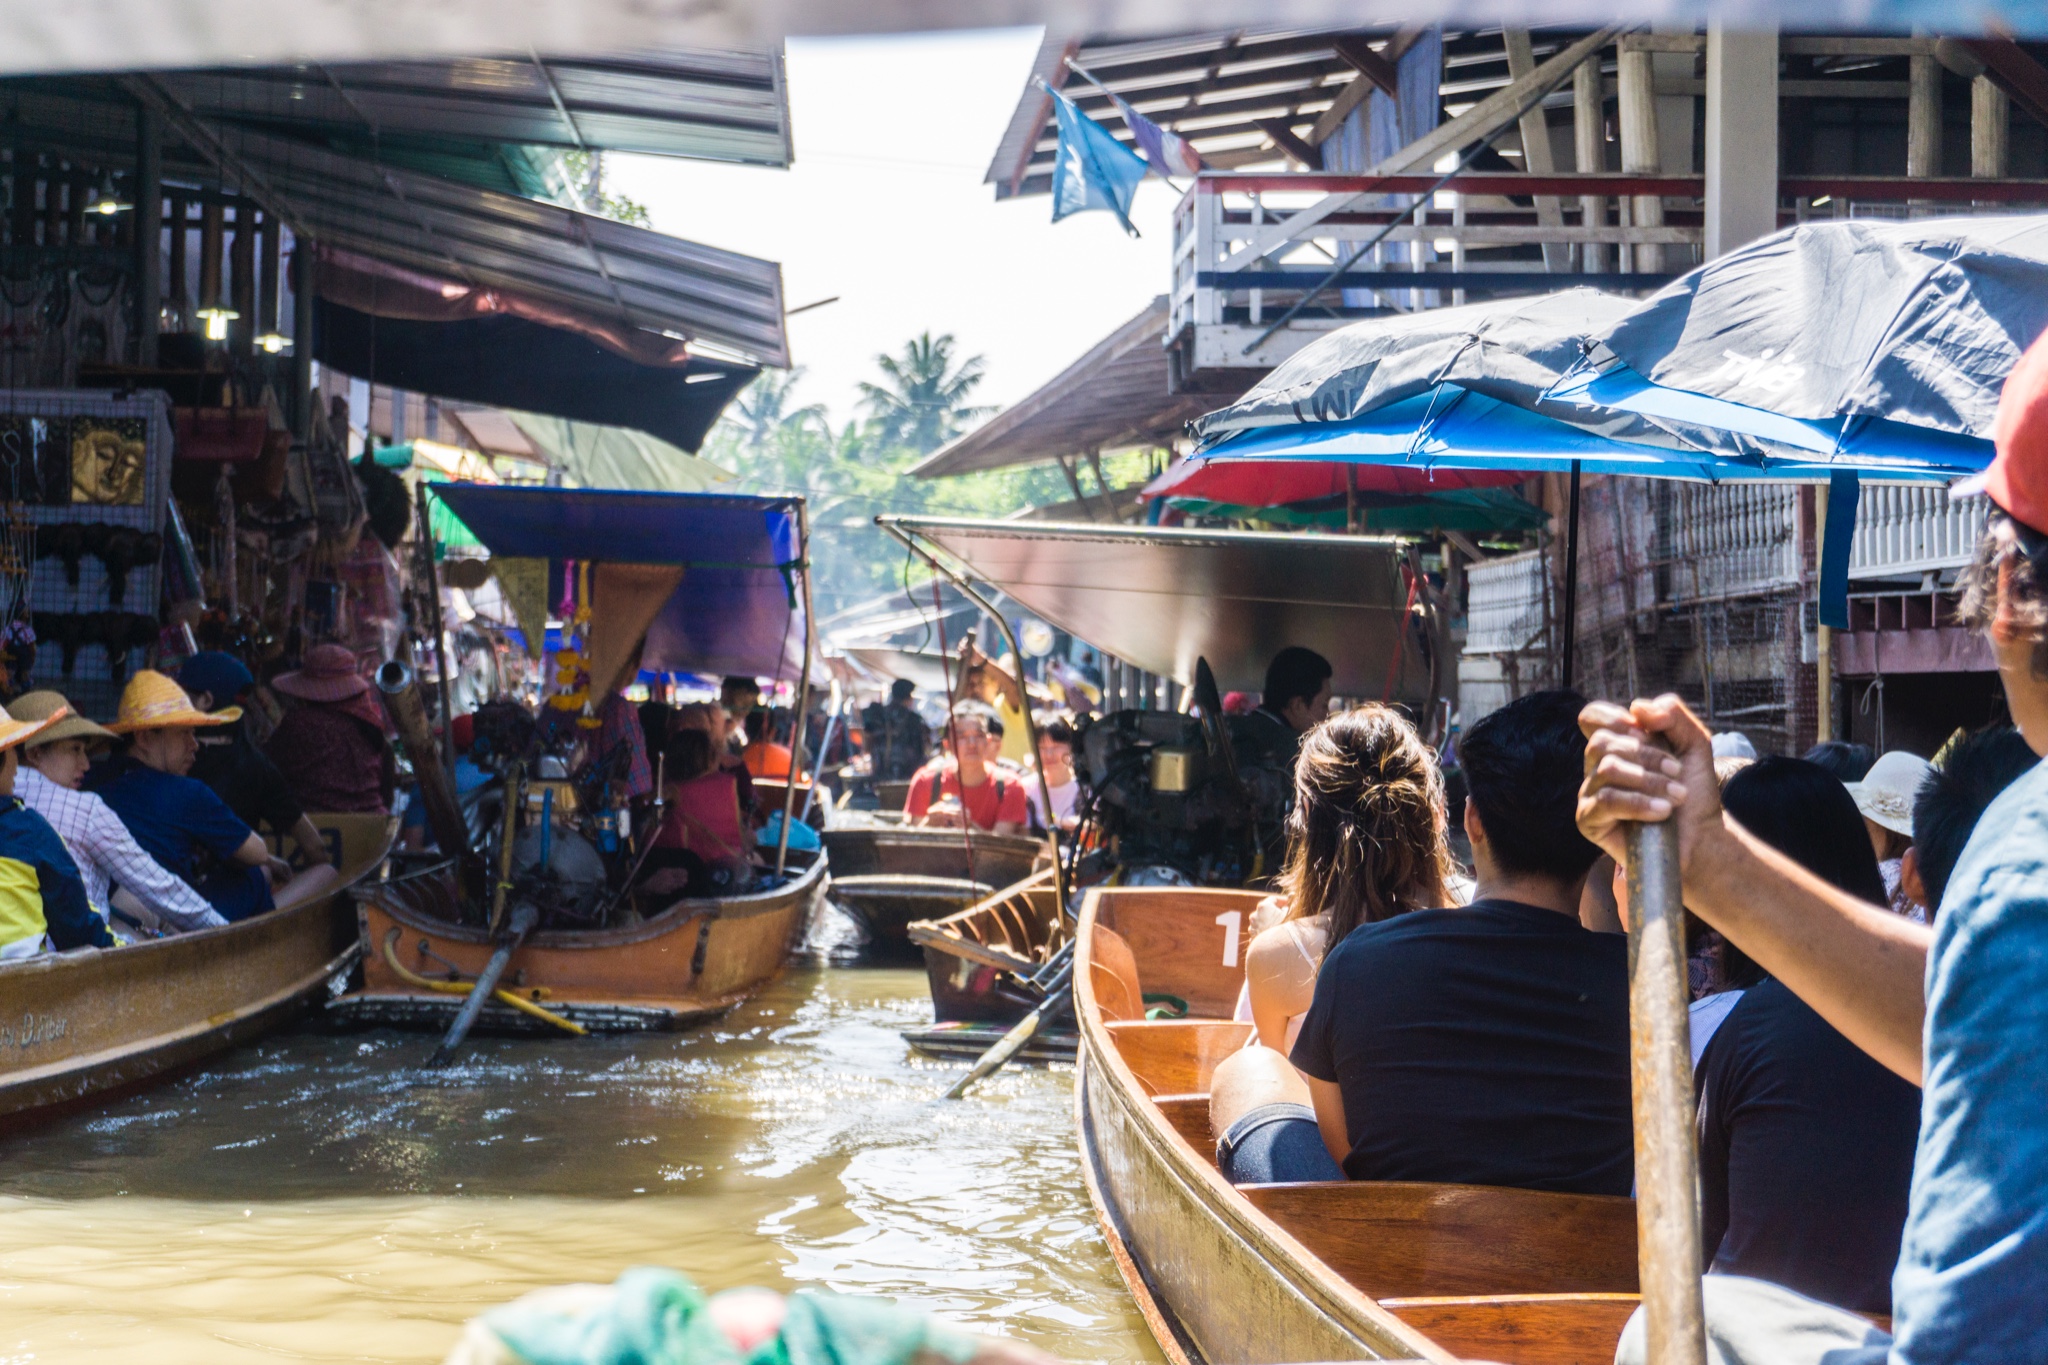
1275	483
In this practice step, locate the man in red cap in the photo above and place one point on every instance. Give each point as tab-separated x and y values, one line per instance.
1960	1009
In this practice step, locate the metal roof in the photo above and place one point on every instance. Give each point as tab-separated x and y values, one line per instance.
1227	92
439	226
718	106
1117	396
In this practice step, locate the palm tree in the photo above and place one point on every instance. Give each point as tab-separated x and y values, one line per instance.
922	403
763	409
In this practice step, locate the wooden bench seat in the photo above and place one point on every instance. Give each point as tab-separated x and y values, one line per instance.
1522	1329
1176	1056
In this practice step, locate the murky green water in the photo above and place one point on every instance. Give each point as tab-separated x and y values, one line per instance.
322	1198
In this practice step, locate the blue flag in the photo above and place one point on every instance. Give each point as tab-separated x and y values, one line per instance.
1091	170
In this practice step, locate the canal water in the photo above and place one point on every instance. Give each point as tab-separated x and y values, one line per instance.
321	1197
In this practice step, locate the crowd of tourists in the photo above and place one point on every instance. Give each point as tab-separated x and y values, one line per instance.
1868	962
149	825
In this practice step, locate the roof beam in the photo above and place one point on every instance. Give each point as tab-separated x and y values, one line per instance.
1308	154
1369	63
2012	70
203	140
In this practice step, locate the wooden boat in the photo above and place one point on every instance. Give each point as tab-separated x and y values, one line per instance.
890	874
974	959
84	1023
1309	1272
692	961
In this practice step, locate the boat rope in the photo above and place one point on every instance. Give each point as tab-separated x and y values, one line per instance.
1401	635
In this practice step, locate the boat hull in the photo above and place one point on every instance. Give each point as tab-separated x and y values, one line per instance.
86	1023
691	962
1261	1275
890	876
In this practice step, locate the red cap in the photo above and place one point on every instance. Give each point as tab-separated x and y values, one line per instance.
2018	478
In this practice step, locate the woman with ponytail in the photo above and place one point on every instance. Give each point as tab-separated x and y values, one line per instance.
1365	843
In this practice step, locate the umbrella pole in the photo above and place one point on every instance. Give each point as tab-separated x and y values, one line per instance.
1571	581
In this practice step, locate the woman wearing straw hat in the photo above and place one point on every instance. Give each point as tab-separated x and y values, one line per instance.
42	897
53	767
331	745
176	818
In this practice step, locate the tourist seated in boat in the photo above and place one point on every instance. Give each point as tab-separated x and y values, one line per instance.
739	698
1056	762
897	738
229	761
711	718
332	744
52	773
1485	1044
43	906
1960	1007
1806	1142
1885	797
767	753
995	685
1967	778
703	845
1366	843
965	783
1296	699
177	819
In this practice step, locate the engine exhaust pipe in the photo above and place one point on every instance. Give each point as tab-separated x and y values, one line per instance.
444	813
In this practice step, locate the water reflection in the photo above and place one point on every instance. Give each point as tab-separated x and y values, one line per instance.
320	1197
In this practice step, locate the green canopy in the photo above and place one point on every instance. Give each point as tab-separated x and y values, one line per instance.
1482	511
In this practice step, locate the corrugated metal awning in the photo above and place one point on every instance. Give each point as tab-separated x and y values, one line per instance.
719	106
1118	396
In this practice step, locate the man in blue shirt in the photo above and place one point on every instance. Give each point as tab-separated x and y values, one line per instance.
176	818
1960	1009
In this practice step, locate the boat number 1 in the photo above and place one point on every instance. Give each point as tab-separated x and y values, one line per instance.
1231	920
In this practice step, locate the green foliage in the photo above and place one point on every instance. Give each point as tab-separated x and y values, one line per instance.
583	178
853	472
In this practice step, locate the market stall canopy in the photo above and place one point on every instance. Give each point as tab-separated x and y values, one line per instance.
1117	396
134	34
736	609
1160	599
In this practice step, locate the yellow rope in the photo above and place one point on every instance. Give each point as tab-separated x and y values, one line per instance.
460	988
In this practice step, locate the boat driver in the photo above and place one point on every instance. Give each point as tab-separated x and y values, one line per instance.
1296	699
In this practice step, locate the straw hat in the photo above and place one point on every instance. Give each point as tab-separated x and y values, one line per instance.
65	723
1885	795
329	675
13	732
153	702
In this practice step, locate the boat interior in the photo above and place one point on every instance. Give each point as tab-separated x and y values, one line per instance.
1017	929
1521	1277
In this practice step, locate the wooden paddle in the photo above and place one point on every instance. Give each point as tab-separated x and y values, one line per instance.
1660	1057
1059	996
524	917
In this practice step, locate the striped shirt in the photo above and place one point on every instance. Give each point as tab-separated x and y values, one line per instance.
107	853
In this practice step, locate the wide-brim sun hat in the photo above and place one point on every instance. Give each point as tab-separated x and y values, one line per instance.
152	701
1885	795
64	720
13	732
329	674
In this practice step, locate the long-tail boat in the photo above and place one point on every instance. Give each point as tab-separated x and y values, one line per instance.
536	929
889	874
1346	1270
85	1023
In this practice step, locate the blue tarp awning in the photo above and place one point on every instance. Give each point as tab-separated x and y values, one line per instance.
736	610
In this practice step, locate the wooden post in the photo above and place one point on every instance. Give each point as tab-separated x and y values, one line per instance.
1742	136
1636	98
243	286
269	273
1537	158
1589	129
1923	115
302	341
1660	1057
1823	636
149	233
180	302
212	232
1990	129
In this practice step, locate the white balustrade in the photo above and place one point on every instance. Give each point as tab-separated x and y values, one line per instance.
1733	538
1914	528
1504	604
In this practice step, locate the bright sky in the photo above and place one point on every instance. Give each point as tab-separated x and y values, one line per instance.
885	208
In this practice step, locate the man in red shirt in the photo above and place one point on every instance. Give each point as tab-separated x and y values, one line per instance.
967	780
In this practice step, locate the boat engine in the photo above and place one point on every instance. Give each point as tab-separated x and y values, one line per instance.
560	872
1161	797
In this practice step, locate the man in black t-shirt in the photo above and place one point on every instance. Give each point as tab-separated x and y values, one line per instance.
1486	1045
